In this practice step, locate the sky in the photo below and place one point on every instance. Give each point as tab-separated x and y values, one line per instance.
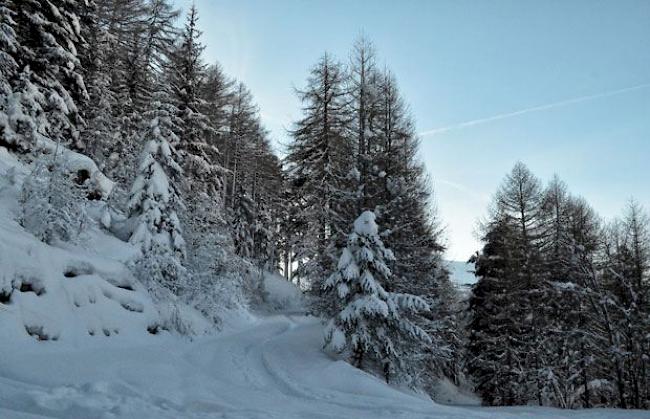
561	85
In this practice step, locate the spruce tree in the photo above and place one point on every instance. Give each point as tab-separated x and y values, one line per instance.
154	199
372	323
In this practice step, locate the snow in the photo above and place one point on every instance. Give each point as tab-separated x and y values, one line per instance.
365	225
76	162
271	368
448	393
281	295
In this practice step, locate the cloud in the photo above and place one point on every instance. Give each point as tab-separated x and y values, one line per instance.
498	117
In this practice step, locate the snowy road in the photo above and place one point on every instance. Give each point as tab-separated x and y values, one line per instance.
271	369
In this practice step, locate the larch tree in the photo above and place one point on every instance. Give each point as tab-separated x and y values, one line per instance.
318	165
362	71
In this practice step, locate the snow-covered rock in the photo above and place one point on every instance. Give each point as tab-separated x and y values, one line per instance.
82	167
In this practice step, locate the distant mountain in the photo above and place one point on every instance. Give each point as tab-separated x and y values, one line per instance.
461	273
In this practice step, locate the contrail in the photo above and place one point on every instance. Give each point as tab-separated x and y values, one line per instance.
529	110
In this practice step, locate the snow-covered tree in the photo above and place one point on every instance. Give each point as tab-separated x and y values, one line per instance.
372	322
626	277
8	48
186	75
49	37
154	198
22	118
513	236
217	92
101	129
361	82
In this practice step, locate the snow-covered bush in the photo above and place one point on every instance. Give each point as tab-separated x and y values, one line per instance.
159	266
174	314
53	204
372	322
218	277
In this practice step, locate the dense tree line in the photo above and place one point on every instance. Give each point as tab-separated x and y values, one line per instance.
560	313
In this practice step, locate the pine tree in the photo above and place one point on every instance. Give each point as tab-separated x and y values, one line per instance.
8	48
518	205
23	121
100	131
578	366
625	274
217	93
131	41
203	175
260	179
372	322
492	352
243	126
397	187
149	40
53	205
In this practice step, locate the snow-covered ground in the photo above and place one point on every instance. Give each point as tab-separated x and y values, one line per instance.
271	368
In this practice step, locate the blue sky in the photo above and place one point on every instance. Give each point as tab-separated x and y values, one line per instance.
460	61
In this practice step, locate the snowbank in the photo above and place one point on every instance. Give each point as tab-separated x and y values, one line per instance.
70	292
446	392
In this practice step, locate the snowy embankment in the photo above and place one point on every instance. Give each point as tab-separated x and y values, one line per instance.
72	292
